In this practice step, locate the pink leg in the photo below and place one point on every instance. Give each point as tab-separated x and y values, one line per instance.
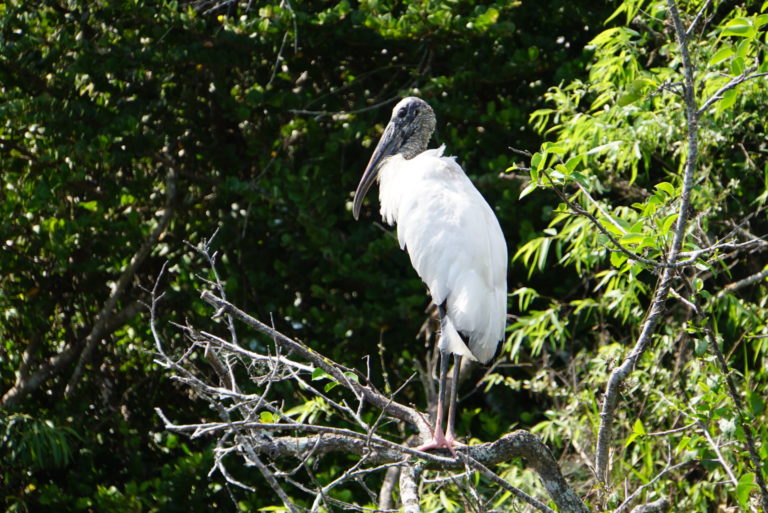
439	439
451	432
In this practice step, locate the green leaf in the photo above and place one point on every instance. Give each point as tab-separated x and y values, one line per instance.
267	417
638	430
537	161
627	99
618	258
740	27
605	148
572	162
729	99
756	403
534	175
632	238
319	373
667	223
721	55
89	205
666	187
489	17
737	66
553	148
543	252
581	178
634	92
527	190
647	242
744	488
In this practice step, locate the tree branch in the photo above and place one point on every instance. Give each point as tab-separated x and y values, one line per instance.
106	320
391	477
107	310
754	457
367	392
747	74
658	308
409	488
658	506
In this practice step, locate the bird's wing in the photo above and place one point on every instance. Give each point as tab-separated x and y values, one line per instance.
456	245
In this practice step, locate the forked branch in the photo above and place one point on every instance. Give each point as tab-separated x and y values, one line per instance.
256	425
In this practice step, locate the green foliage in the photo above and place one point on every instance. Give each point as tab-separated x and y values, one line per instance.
266	116
36	444
616	152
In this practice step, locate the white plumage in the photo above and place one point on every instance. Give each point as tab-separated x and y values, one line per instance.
455	244
452	237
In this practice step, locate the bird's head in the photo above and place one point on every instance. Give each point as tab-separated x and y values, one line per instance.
407	133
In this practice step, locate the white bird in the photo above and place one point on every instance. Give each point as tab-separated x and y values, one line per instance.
452	237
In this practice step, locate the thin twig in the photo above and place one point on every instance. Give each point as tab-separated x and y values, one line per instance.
624	505
495	478
695	21
757	463
718	95
716	447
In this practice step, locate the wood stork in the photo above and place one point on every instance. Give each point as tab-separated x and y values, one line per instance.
452	237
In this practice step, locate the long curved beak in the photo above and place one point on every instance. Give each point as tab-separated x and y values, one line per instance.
391	141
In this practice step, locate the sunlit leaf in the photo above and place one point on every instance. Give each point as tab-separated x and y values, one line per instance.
721	55
741	27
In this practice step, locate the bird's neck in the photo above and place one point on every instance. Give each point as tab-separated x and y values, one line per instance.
414	146
419	139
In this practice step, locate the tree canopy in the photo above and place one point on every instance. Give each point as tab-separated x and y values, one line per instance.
130	128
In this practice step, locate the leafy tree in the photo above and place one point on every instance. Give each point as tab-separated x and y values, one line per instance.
659	216
130	127
658	303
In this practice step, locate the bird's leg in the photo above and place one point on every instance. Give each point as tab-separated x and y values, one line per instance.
444	357
439	440
450	434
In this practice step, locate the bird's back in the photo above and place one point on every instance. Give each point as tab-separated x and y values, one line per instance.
455	244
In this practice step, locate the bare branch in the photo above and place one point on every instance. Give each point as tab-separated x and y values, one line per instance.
746	282
245	430
716	447
748	74
272	481
669	468
368	392
391	478
658	506
495	478
695	21
409	488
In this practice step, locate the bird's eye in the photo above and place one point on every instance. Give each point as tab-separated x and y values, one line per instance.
401	113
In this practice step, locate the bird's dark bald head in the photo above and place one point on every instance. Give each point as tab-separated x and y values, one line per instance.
415	119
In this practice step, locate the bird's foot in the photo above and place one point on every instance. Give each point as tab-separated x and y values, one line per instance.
440	441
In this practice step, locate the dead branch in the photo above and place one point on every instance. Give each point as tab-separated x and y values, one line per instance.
262	441
391	478
409	488
365	391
